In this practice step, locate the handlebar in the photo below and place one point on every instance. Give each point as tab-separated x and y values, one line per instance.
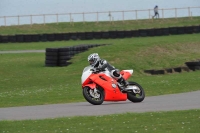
96	71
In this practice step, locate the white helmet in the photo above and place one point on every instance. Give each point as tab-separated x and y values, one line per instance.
93	59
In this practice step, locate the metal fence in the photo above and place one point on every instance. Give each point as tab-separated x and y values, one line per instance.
98	16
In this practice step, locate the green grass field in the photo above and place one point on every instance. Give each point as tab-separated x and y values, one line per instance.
25	81
151	122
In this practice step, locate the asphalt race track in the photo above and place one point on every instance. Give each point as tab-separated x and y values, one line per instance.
182	101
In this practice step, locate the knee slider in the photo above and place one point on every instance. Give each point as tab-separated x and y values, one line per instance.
116	74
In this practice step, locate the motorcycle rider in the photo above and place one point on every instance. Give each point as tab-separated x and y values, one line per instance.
101	64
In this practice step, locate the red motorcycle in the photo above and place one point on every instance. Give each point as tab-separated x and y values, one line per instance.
100	86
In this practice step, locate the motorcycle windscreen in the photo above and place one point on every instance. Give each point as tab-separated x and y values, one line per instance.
126	73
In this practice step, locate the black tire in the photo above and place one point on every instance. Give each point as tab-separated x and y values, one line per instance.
73	52
51	49
63	53
66	49
149	71
91	99
193	63
194	68
51	53
64	57
136	97
51	58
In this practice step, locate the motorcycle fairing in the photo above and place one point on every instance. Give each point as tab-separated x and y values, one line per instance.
126	73
91	85
112	92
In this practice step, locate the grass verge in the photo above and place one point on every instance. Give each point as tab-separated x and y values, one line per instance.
151	122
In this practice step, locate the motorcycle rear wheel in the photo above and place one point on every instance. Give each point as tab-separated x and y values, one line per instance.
91	99
136	97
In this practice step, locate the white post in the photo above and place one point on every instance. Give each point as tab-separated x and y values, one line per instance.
83	18
149	14
136	14
44	18
97	17
188	11
175	13
70	18
5	20
123	16
109	14
18	20
57	18
31	19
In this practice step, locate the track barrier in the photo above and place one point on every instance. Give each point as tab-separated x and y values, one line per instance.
100	35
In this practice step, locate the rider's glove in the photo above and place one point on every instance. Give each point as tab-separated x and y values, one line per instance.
98	69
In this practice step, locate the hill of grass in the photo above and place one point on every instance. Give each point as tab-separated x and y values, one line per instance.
23	76
101	26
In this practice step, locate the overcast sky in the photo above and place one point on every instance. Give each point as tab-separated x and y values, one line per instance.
28	7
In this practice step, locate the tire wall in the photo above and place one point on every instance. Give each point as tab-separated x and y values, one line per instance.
190	66
100	35
61	56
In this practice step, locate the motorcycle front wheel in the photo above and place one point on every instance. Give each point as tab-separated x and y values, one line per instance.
136	96
95	97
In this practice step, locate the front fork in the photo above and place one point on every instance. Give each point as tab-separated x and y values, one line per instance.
92	85
93	91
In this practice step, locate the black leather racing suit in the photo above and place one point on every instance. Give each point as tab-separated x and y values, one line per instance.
103	65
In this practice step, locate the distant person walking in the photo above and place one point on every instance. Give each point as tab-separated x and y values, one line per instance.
156	12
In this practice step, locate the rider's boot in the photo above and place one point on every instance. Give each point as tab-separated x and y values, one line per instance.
123	83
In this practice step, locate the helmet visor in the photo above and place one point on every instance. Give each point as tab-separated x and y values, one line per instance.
91	62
